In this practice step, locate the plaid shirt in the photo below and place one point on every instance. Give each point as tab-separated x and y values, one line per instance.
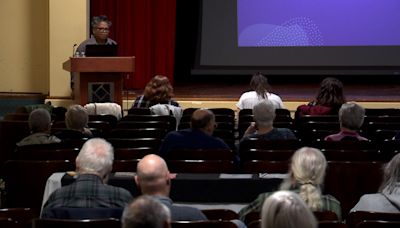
142	102
88	191
329	203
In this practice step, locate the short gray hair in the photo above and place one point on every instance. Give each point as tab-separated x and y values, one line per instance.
76	117
96	155
264	113
97	19
145	211
39	120
351	115
285	209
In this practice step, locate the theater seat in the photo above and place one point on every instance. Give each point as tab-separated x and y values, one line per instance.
76	223
83	213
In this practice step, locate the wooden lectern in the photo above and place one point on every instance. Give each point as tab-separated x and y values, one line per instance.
99	79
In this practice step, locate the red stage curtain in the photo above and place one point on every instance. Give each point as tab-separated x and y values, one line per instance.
144	29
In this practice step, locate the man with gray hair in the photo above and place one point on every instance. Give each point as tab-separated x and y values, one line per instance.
40	124
93	164
351	118
146	212
262	128
76	121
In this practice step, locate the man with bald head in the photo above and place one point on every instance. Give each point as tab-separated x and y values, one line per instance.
153	179
199	136
93	164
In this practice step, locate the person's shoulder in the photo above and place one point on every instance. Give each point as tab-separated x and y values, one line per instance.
330	198
247	94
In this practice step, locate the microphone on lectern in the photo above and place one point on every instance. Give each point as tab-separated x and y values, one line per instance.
73	50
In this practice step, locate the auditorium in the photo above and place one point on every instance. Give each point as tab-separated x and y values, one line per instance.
220	110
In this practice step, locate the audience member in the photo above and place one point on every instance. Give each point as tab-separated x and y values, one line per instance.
328	100
351	118
199	136
157	91
146	212
76	121
388	197
305	177
40	124
264	115
285	209
93	164
154	179
260	87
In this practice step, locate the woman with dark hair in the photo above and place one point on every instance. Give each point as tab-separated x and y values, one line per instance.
328	101
388	197
157	91
260	87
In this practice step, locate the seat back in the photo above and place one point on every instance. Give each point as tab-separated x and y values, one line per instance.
357	177
263	166
356	217
76	223
331	224
201	154
16	216
201	166
84	213
220	214
202	224
378	224
26	181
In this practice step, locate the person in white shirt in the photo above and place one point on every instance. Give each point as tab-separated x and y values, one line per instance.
260	86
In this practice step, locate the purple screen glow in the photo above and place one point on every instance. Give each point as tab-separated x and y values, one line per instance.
272	23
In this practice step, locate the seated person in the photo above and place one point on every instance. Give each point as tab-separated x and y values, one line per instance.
93	164
285	209
154	179
76	120
305	177
145	211
157	91
199	136
388	197
260	86
39	123
328	100
264	115
351	118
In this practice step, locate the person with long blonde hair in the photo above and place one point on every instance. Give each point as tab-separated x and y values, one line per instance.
305	177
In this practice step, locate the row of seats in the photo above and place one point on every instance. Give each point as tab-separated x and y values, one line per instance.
22	176
23	218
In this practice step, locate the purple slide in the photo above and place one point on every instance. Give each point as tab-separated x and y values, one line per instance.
273	23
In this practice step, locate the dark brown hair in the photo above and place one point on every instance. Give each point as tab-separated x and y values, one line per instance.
259	83
330	93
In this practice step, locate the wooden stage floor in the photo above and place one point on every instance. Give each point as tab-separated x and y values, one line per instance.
230	89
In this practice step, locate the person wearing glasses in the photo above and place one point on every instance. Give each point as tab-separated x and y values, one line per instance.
100	30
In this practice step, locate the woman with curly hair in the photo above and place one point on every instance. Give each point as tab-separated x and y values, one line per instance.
328	101
157	91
